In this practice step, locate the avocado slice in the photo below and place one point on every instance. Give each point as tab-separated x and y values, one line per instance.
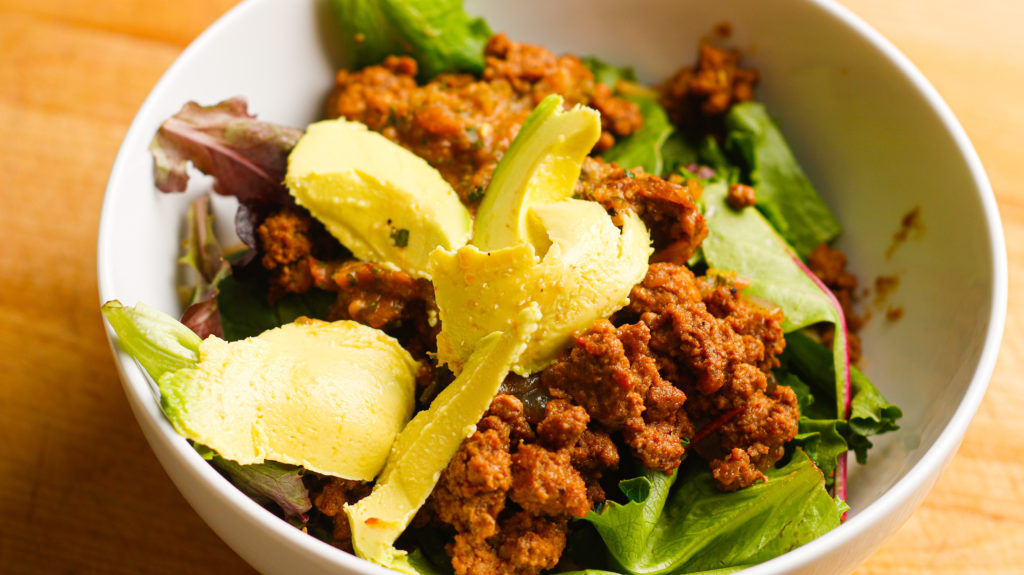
429	442
541	166
381	201
330	397
586	274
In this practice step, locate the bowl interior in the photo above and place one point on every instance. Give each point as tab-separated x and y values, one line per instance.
872	135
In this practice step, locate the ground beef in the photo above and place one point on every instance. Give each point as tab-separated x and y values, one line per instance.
382	298
506	414
536	72
668	208
610	372
462	125
830	266
527	545
544	482
330	501
597	375
759	325
719	349
562	425
510	489
472	489
657	439
767	421
699	97
288	240
741	196
594	453
734	471
693	345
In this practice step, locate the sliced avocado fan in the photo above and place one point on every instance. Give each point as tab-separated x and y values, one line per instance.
533	243
330	397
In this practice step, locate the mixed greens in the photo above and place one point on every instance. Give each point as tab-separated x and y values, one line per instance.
667	524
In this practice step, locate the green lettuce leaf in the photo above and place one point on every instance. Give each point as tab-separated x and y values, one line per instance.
245	312
643	148
693	528
823	442
657	147
678	153
743	241
437	33
784	194
820	432
160	343
870	413
608	74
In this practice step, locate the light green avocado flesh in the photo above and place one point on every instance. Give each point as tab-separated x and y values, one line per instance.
429	441
379	200
541	166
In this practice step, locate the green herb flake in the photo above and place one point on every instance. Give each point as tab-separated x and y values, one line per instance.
400	237
476	194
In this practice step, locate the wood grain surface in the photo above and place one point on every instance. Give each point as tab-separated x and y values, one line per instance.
80	491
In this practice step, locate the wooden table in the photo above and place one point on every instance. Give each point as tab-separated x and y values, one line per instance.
80	491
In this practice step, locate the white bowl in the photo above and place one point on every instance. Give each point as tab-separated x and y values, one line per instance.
870	131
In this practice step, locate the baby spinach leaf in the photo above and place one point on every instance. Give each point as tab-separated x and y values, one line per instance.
784	194
245	311
677	153
608	74
694	528
438	34
643	149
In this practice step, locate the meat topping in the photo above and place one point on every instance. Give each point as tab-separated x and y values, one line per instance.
669	209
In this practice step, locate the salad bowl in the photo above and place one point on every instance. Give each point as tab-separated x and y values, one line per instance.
872	134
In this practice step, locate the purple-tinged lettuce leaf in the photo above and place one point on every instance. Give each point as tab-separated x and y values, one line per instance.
248	158
692	527
841	361
269	483
204	255
203	317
